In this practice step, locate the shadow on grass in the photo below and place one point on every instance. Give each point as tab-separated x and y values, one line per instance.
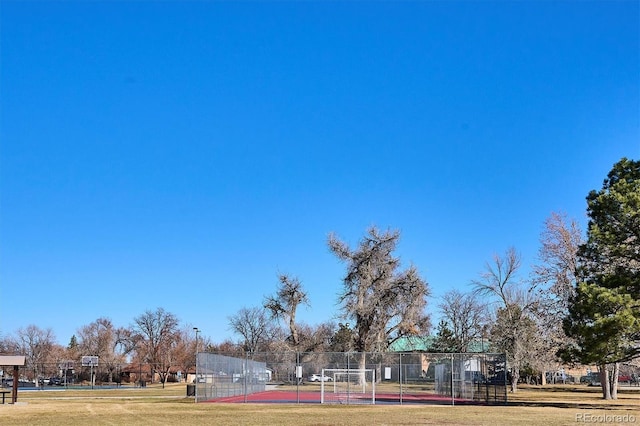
574	397
577	405
579	389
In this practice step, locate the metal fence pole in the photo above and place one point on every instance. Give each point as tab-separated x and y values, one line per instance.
453	401
244	374
298	379
400	376
195	396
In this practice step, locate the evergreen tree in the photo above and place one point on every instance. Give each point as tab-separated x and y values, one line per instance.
604	313
73	343
445	341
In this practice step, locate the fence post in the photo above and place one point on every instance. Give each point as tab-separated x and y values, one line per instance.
453	384
244	374
400	375
298	376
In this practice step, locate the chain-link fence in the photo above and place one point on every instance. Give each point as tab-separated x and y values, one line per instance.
401	378
219	376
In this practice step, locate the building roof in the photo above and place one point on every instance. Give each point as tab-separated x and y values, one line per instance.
424	344
12	360
412	344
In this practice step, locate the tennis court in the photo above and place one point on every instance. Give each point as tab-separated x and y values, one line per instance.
352	378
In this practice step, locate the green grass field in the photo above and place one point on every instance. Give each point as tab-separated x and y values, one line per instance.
557	405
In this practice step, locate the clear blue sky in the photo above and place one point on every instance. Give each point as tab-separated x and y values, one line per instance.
181	154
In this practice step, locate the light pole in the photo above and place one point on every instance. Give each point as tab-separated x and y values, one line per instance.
196	388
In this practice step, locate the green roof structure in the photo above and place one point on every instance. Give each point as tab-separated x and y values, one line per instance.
424	344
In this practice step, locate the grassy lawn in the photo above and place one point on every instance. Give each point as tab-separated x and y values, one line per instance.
557	405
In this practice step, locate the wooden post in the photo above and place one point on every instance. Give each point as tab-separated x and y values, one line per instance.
14	361
16	379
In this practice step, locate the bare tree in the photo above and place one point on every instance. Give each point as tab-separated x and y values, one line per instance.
227	347
555	278
101	338
556	272
186	348
316	338
5	344
36	344
515	332
41	351
465	316
57	359
385	303
125	341
284	304
516	307
156	332
254	326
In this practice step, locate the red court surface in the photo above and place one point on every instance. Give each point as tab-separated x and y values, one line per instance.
276	396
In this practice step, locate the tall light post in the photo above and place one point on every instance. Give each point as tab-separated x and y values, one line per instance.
196	388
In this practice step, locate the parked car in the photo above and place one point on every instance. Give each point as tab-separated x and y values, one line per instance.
55	381
591	379
319	378
624	378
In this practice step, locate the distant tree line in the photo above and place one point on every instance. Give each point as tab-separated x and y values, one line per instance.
155	339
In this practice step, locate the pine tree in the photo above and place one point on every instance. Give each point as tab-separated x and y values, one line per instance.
604	313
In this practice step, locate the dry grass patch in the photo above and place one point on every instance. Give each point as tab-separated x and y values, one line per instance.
574	396
154	406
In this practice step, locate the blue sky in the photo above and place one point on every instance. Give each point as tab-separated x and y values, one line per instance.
182	154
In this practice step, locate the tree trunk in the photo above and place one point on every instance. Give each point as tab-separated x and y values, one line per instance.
543	379
604	381
613	381
163	377
362	364
515	376
294	331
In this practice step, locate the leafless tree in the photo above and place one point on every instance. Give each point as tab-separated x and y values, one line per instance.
284	304
58	357
555	277
226	347
36	344
157	332
316	338
516	333
516	307
465	315
384	302
102	339
6	345
185	349
126	340
556	272
9	345
254	326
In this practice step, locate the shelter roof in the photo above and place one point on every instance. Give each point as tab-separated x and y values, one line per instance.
424	344
412	344
12	360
